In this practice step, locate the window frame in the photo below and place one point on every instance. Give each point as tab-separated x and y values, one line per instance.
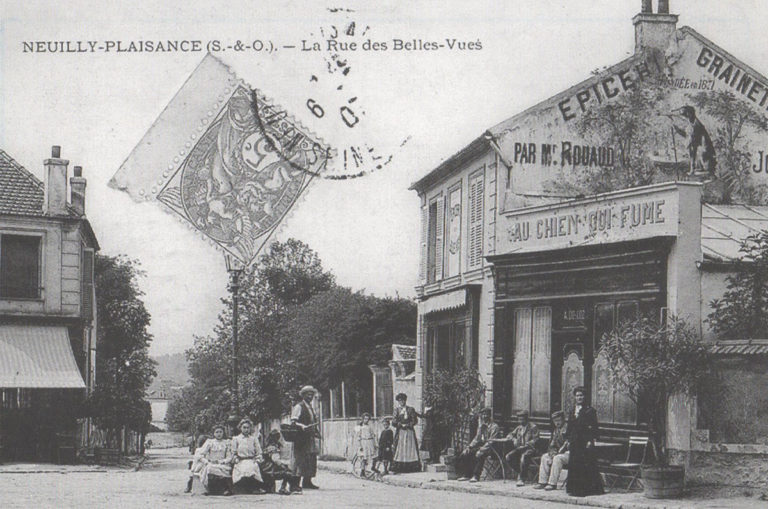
40	236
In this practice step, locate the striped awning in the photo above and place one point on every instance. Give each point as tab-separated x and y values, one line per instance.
37	357
445	301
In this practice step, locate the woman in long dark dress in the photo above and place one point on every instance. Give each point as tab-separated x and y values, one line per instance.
583	475
405	447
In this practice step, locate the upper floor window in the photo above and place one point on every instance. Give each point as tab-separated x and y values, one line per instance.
19	267
476	208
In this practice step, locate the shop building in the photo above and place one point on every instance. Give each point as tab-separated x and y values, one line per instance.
521	284
47	310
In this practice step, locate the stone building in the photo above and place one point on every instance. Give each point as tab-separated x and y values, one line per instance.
520	278
47	310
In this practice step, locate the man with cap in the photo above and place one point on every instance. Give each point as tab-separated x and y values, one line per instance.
523	439
470	462
306	447
556	458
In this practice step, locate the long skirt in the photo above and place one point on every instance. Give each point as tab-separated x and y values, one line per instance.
213	472
246	468
406	457
583	474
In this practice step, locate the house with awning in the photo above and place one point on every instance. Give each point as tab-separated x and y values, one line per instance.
47	310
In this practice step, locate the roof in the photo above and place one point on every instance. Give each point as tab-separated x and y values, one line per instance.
403	353
724	227
20	191
38	357
741	347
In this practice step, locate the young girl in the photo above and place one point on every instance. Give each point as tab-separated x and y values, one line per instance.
386	439
366	442
247	454
216	458
272	466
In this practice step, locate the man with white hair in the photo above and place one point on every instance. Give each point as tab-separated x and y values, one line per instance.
306	447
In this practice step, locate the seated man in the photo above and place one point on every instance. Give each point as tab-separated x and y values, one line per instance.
524	439
556	458
470	462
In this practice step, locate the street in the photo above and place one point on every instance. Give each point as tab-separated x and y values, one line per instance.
161	483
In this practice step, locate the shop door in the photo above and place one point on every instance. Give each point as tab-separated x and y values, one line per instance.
532	360
567	368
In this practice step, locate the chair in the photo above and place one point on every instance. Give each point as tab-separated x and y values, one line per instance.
629	467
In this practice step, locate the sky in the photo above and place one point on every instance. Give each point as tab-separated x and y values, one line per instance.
97	106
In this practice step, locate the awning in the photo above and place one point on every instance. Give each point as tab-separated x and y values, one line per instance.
445	301
37	357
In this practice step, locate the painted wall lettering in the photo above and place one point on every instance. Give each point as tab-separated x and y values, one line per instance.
730	74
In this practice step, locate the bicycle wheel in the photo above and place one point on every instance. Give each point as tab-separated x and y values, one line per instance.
357	465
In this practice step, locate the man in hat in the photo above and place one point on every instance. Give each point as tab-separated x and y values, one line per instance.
523	439
306	447
470	462
556	458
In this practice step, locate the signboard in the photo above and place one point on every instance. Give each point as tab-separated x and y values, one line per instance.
629	215
685	125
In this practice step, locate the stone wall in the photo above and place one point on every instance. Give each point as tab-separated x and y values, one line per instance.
722	468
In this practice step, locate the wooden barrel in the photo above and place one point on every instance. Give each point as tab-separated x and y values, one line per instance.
663	482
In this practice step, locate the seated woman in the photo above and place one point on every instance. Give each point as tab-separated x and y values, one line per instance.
215	458
272	468
194	464
246	451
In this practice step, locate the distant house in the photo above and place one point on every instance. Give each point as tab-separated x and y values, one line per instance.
160	395
47	311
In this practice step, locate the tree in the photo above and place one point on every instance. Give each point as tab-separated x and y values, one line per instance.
288	274
652	362
455	396
335	335
123	367
742	311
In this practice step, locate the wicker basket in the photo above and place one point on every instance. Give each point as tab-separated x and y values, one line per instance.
290	432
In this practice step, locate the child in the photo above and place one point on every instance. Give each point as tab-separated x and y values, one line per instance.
271	465
366	440
195	466
385	446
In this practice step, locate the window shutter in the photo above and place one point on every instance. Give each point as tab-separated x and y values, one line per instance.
439	238
87	285
476	192
424	230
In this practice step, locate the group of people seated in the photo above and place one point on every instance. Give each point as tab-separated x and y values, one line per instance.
571	446
223	465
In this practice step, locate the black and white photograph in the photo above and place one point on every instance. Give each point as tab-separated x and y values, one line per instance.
429	254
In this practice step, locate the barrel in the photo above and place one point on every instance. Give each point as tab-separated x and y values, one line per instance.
663	482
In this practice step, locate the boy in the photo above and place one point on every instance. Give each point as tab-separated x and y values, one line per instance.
386	439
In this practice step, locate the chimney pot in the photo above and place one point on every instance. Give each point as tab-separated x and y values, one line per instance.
56	151
647	6
77	191
78	171
663	6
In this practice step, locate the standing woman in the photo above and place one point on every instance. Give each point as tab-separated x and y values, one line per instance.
306	447
247	455
583	476
406	457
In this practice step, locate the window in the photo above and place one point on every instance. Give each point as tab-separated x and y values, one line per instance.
449	346
87	285
531	368
19	267
435	225
476	193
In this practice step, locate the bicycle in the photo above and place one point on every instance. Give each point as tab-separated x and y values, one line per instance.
357	469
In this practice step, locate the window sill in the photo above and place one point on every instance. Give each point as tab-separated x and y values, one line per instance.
21	299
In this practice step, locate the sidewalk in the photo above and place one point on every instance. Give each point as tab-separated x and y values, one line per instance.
698	498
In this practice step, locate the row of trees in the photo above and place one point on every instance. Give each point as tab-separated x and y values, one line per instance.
123	367
297	326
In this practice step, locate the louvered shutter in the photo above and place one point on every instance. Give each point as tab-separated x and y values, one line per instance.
439	238
424	255
476	193
87	285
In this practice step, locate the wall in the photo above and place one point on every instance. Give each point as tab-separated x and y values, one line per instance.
338	436
713	286
725	469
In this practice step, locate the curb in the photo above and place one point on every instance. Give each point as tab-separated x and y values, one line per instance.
544	497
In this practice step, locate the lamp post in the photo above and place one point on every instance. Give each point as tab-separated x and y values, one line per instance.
235	269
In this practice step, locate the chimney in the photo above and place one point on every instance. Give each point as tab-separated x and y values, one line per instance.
55	192
653	30
77	190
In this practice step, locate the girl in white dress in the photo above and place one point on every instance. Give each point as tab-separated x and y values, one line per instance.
366	442
215	457
246	451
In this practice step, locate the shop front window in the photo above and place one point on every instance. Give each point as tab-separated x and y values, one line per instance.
531	368
449	347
